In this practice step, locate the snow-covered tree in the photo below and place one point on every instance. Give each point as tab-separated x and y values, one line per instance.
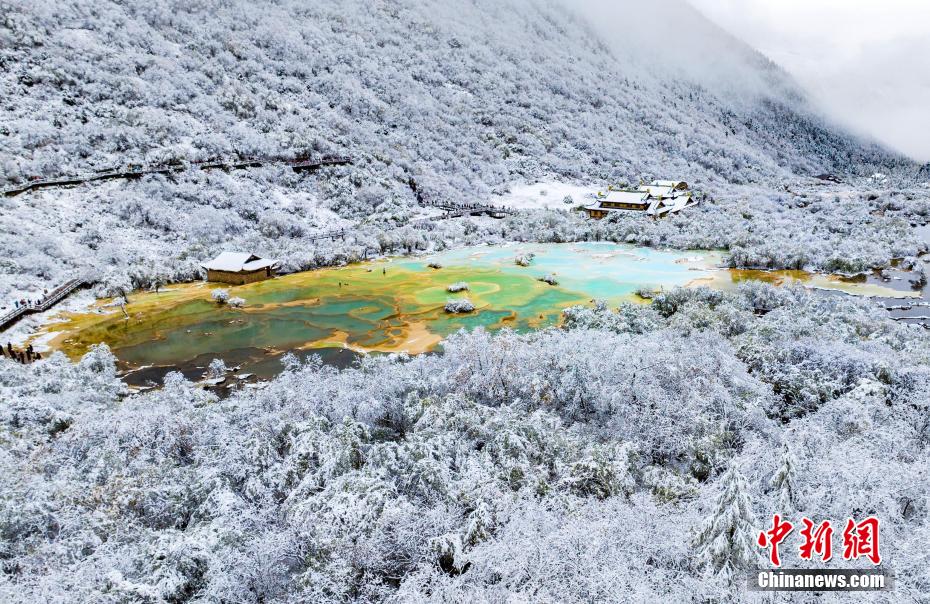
783	482
116	283
216	369
725	544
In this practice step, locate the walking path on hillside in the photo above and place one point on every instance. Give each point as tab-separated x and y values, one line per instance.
51	299
136	171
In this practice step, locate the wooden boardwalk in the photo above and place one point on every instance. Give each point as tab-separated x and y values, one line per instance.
336	234
298	165
454	210
54	297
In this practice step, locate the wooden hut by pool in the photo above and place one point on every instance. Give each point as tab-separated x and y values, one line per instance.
239	268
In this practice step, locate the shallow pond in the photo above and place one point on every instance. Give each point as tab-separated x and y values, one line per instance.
388	305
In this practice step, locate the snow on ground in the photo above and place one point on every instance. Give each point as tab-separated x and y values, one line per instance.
545	194
79	301
313	210
56	234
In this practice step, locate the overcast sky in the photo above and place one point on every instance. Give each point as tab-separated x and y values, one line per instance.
867	62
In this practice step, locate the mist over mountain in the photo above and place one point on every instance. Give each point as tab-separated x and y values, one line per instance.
669	39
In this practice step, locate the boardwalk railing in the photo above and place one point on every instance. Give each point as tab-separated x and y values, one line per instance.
454	210
337	234
136	171
53	298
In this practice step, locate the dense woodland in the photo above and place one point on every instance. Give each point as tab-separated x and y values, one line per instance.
630	454
462	97
139	243
572	465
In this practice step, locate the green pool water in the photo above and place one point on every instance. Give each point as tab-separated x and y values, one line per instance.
385	306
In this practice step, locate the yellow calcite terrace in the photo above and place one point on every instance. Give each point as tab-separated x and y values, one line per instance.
393	305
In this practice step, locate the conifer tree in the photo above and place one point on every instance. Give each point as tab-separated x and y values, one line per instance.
783	482
725	543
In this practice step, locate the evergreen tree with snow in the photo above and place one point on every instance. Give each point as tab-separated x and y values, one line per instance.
725	544
783	482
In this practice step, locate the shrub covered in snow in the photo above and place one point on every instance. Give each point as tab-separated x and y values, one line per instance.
220	296
459	286
550	279
216	369
459	305
506	464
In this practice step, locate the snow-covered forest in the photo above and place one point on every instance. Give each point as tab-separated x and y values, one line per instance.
571	465
630	454
142	242
463	101
460	96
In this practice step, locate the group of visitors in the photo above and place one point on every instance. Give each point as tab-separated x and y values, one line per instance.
27	355
26	303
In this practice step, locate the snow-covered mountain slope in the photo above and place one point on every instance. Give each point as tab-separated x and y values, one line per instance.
461	96
467	100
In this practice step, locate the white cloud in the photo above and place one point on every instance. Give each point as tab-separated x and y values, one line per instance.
866	63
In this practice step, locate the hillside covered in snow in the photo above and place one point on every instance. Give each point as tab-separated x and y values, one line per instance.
434	101
461	97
